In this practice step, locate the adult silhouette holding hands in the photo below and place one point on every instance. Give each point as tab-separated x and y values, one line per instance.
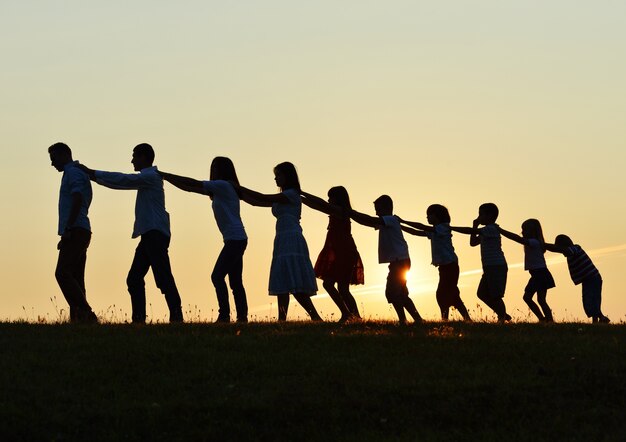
75	231
152	224
225	205
291	270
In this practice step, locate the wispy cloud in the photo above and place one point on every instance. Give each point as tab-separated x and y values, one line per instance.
558	259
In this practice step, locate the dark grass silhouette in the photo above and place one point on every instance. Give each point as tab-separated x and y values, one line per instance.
305	381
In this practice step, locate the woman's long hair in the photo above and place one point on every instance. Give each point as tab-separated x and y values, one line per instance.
340	196
222	168
288	170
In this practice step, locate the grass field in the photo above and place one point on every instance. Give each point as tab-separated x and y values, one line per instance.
303	381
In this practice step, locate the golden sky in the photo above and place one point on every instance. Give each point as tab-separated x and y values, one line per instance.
517	102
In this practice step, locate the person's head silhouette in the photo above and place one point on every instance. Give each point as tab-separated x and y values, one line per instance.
60	155
531	228
563	241
383	205
488	213
222	168
143	156
437	214
286	176
338	195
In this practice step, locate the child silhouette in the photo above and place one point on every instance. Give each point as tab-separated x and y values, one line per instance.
493	282
541	279
584	272
339	262
443	257
392	249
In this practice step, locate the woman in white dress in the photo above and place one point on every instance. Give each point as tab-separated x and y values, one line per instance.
291	271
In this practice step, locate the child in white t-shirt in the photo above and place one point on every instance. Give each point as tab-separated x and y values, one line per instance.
392	249
443	257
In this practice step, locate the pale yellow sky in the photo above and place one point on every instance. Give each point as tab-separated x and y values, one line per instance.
516	102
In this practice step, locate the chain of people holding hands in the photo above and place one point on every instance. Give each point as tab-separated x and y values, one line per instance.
292	273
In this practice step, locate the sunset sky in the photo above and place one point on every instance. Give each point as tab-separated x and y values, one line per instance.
522	103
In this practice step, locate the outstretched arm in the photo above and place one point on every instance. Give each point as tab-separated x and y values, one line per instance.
183	182
512	236
413	231
317	203
475	236
117	180
556	249
473	231
258	199
366	220
465	230
417	225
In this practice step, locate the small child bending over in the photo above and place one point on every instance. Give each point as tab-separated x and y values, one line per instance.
443	257
583	271
392	249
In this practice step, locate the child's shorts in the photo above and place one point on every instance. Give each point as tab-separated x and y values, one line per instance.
540	280
448	294
396	289
493	282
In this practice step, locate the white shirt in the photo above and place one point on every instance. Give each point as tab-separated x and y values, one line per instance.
534	255
441	245
150	213
74	181
391	244
226	209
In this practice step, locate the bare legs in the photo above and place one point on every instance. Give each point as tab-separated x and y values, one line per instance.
445	312
541	298
305	302
463	311
283	306
343	298
544	313
407	304
448	294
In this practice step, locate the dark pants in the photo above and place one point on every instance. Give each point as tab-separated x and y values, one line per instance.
396	289
492	287
230	262
592	296
448	293
152	252
70	274
397	292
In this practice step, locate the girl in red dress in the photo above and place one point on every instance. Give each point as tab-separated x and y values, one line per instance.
339	263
